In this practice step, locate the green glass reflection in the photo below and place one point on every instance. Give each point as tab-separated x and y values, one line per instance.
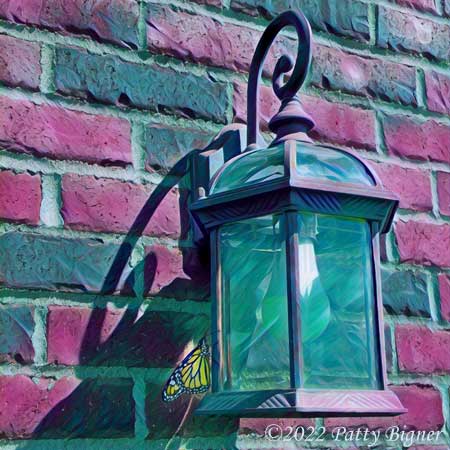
254	167
256	341
325	163
337	303
313	161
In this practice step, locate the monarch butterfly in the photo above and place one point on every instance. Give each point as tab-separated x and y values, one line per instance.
192	376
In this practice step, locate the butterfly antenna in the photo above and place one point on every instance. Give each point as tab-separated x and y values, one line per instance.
206	335
209	334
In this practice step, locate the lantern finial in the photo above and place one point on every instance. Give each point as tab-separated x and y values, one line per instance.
291	117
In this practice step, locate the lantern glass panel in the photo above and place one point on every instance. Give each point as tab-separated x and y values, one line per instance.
255	315
337	303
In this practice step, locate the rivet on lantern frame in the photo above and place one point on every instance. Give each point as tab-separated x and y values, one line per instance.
298	210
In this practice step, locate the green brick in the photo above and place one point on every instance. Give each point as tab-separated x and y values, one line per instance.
166	146
109	79
405	292
341	17
55	263
16	332
388	347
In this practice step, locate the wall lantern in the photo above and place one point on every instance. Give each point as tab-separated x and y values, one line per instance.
294	233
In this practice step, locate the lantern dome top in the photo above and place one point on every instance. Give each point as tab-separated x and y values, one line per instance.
292	174
315	162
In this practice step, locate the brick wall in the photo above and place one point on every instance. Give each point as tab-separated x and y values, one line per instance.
102	289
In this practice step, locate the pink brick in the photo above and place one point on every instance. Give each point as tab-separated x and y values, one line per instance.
112	20
205	40
444	291
70	331
412	186
438	92
421	350
176	273
423	141
268	105
13	53
424	412
49	130
24	403
101	204
169	267
20	197
421	5
336	69
341	124
127	337
335	123
443	188
402	31
423	243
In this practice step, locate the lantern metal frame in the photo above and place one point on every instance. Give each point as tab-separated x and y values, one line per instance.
288	195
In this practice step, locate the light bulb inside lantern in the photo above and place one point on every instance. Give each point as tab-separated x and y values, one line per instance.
314	301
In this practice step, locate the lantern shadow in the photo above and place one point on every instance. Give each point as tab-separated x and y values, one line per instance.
135	336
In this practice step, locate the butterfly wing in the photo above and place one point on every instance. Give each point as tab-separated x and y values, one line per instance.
192	376
172	390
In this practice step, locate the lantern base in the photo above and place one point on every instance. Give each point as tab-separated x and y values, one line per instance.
301	403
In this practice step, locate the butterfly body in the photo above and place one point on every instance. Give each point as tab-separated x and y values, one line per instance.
192	376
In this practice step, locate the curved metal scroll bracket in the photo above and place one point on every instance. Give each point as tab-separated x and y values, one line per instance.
291	118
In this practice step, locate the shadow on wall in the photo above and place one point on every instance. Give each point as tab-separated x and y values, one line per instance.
135	336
